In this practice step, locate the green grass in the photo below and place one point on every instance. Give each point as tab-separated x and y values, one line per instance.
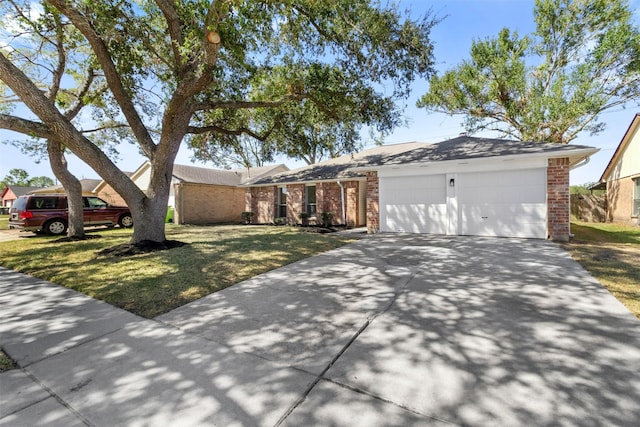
605	232
611	253
151	284
4	222
6	364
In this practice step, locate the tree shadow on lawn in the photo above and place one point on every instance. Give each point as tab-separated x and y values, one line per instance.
152	283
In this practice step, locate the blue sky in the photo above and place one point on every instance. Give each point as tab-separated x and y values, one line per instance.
464	21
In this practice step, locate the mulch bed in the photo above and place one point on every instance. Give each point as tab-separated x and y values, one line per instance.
143	247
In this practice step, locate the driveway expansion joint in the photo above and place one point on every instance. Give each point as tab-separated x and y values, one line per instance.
55	396
401	288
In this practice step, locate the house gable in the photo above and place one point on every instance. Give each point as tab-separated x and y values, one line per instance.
625	161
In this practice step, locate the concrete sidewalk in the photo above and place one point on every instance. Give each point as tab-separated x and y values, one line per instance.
390	330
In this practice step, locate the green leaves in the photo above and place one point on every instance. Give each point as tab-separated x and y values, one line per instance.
551	85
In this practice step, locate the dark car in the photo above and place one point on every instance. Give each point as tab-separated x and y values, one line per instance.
48	213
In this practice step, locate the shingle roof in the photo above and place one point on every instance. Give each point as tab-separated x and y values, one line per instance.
467	147
88	185
233	177
462	147
340	167
22	191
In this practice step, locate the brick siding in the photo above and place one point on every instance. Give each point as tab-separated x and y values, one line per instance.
111	196
295	203
262	202
206	204
373	203
558	200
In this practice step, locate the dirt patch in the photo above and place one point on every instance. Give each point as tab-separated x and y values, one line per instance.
143	247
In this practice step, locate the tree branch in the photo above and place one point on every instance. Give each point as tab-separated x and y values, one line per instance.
111	74
24	126
235	132
245	105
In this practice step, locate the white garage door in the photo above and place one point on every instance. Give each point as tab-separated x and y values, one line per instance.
505	203
509	203
413	204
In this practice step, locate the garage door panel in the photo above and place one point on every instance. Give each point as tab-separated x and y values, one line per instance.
413	204
504	203
505	220
431	219
495	203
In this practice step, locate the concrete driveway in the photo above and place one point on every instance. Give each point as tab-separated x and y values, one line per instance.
388	331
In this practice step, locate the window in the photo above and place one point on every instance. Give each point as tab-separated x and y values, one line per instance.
636	197
310	199
282	202
95	203
43	203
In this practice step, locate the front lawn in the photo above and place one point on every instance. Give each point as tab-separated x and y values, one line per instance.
4	222
611	253
154	283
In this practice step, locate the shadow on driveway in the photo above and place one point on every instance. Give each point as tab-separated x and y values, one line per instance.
467	330
390	330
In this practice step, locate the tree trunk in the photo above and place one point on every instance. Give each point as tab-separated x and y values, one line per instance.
72	187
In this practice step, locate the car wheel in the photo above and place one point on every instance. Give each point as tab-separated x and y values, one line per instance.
55	227
126	221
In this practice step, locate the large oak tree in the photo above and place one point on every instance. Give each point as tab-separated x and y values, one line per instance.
174	69
583	59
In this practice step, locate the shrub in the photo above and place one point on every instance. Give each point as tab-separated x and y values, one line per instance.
247	217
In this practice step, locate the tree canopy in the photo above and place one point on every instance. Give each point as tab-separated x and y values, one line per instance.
583	59
20	177
160	72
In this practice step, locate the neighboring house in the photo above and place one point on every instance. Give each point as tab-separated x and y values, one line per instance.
12	192
622	178
199	195
88	187
463	186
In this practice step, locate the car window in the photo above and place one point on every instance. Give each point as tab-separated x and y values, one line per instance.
20	204
96	203
43	203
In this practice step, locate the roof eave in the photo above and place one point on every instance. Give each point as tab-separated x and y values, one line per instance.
575	157
306	182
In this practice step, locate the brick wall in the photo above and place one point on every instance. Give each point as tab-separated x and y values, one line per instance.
109	195
205	204
329	199
262	202
373	203
558	202
295	202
